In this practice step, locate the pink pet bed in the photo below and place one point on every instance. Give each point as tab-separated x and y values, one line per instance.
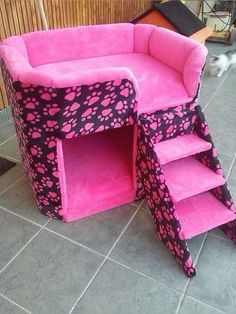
107	114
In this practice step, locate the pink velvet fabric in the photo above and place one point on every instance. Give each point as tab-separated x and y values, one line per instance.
180	147
183	182
79	42
183	54
104	176
201	213
159	85
186	57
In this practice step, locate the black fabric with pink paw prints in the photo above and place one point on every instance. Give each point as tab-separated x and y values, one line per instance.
43	116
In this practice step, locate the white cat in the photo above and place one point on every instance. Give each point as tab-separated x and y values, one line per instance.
219	64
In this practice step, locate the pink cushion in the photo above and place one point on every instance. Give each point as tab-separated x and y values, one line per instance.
79	42
160	86
168	69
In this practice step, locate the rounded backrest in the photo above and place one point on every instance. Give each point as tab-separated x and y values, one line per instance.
79	42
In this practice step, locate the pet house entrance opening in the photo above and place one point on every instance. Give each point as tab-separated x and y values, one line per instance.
98	172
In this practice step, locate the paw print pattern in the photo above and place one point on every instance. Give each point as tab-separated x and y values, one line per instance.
31	102
36	151
47	93
60	113
93	98
159	200
50	142
50	126
35	132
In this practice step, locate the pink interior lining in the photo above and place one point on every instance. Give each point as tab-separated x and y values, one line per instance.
99	172
160	86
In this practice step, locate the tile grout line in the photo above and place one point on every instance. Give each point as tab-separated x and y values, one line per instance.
51	231
73	241
226	240
231	167
181	299
103	262
18	161
144	275
14	257
11	185
213	95
188	282
9	138
209	305
16	304
43	226
19	216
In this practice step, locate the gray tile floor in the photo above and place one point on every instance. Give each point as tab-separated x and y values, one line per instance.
112	262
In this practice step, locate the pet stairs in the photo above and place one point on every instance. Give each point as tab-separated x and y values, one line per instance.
180	175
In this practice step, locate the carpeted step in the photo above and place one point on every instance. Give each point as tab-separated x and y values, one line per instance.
201	213
180	147
187	177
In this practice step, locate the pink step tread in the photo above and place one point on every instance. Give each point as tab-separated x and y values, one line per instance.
187	177
180	147
201	213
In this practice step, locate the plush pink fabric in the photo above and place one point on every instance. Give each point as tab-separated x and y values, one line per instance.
16	63
104	173
180	147
176	65
201	213
79	42
142	33
17	43
160	86
180	53
187	177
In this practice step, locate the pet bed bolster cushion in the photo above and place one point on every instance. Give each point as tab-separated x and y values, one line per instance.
156	60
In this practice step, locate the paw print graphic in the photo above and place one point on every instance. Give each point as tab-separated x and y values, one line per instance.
123	107
117	122
184	124
35	132
72	92
89	113
36	151
51	109
92	98
30	102
50	141
178	250
109	86
171	131
47	182
40	168
105	115
158	136
68	125
53	196
71	110
37	187
51	126
47	93
33	117
43	200
170	230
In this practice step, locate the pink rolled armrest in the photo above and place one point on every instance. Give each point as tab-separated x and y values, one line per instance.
183	54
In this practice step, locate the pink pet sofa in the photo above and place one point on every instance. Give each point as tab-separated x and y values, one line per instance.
107	114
